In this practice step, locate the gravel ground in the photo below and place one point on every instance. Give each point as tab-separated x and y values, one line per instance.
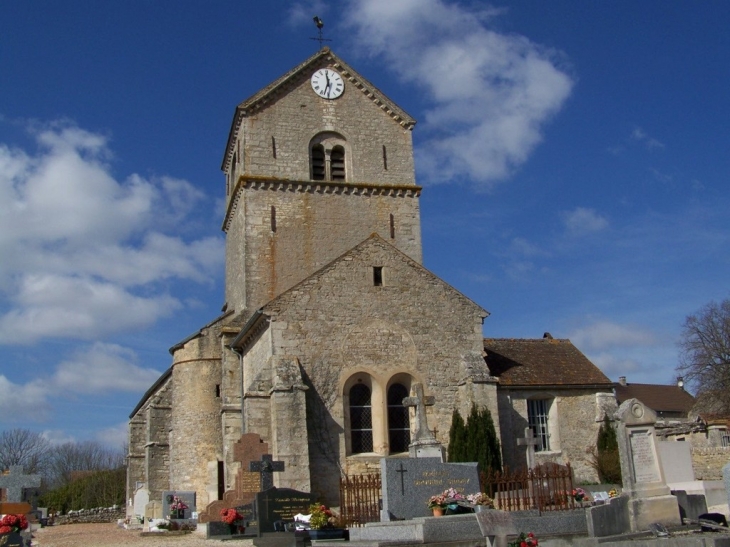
110	535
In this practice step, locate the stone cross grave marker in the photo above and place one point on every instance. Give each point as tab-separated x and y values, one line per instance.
15	481
529	442
267	467
420	402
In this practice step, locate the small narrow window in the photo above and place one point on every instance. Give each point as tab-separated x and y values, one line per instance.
378	276
217	391
221	480
392	226
337	163
385	158
318	162
273	146
273	218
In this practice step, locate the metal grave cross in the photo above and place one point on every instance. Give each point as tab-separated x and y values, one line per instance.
267	467
402	484
529	442
420	402
15	481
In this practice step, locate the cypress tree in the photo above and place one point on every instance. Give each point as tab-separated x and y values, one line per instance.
606	458
457	438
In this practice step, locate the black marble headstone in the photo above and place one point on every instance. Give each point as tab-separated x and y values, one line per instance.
277	506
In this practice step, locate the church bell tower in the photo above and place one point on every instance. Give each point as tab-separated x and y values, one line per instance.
315	163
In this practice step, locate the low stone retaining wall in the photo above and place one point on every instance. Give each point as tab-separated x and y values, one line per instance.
92	516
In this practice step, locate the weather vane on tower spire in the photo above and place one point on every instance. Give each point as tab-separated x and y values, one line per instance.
320	38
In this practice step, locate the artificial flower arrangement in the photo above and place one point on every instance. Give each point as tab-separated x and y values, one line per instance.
524	540
480	498
230	516
177	505
13	523
452	496
612	493
579	494
321	517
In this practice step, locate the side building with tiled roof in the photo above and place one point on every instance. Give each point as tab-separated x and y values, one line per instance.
548	385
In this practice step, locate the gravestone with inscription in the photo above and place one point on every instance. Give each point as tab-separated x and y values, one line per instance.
409	482
276	507
650	500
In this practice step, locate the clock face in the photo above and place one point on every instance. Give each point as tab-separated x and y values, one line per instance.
327	83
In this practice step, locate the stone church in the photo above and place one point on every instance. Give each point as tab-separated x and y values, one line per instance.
330	317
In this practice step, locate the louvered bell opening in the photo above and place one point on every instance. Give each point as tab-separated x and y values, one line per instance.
318	162
337	163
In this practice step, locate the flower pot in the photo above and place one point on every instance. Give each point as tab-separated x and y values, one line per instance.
438	511
13	539
327	533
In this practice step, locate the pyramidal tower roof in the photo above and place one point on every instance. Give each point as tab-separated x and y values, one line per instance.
324	56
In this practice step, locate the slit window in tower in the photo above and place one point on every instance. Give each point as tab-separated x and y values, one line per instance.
273	219
385	158
378	276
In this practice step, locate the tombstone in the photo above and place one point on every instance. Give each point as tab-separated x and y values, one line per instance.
409	482
187	497
249	448
676	460
14	482
141	499
423	444
277	506
650	500
153	510
496	526
266	467
529	442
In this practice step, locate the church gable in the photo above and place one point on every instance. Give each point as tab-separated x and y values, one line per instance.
291	131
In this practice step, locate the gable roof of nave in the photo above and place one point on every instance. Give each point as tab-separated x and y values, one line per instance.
374	239
282	85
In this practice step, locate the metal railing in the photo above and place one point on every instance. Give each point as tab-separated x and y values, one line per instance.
548	487
360	497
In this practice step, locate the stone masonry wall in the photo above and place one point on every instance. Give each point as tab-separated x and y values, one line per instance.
341	325
574	419
195	438
708	462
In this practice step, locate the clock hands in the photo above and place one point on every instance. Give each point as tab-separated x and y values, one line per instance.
329	84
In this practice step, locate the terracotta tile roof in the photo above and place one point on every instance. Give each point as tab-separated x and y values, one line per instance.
657	397
541	361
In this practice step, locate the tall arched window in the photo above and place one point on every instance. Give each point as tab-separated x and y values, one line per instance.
399	427
318	163
361	419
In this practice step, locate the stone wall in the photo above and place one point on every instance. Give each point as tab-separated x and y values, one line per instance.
91	516
574	419
196	443
344	328
707	462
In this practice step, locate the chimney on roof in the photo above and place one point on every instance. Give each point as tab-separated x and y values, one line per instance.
680	382
622	380
548	336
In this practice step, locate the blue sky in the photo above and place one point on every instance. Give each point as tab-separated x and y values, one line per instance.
574	158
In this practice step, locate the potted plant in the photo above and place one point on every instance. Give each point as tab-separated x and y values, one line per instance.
480	501
10	528
323	523
234	520
437	504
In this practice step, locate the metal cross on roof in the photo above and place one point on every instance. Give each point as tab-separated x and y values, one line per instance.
320	38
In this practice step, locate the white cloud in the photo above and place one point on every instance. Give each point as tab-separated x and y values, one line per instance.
113	437
81	251
639	135
612	366
582	220
490	93
99	369
605	335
